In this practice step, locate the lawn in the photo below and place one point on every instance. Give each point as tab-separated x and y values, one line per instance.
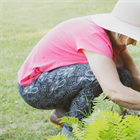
22	24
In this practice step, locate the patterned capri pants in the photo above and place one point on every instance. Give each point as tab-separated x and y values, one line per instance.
71	87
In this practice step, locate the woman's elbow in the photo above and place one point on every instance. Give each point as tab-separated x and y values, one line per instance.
112	95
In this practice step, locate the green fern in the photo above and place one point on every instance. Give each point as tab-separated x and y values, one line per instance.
114	130
71	120
78	132
107	122
58	137
92	130
132	127
111	126
102	103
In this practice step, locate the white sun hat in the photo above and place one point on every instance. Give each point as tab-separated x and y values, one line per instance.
124	19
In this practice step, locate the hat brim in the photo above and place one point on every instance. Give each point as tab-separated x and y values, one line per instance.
109	22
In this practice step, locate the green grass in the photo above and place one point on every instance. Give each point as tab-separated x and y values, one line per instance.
22	24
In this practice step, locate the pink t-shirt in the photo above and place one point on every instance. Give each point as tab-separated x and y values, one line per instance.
62	46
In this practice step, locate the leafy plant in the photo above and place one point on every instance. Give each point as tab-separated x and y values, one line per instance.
60	137
108	121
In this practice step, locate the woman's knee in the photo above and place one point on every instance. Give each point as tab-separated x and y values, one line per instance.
125	76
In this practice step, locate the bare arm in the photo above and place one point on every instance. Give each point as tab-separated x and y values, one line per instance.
127	62
105	71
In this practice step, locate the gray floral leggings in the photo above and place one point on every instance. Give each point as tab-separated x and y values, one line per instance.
71	87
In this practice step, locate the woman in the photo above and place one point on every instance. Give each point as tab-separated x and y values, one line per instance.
76	61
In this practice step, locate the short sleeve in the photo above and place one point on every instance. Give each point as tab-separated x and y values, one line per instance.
95	43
